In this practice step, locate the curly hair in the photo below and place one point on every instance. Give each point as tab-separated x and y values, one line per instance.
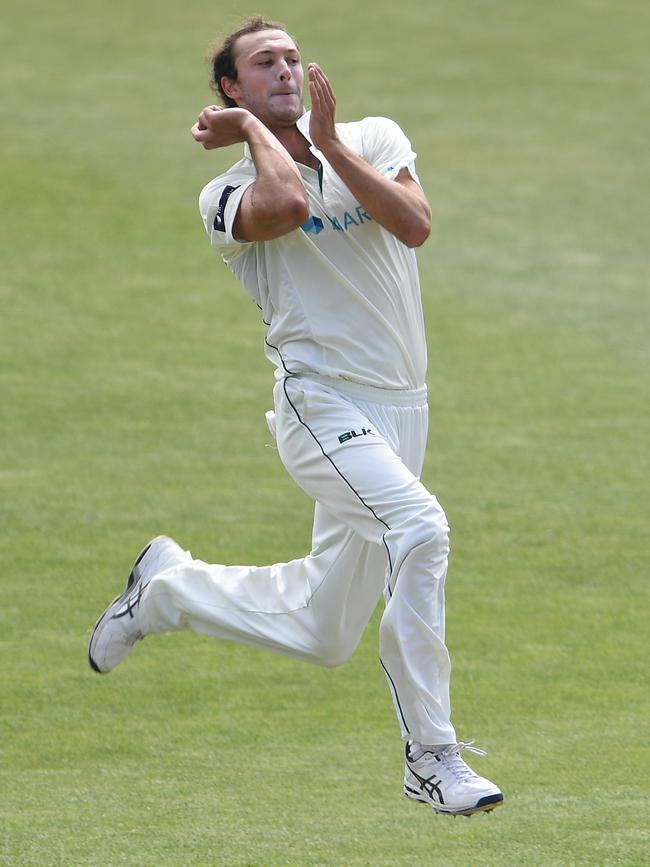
222	60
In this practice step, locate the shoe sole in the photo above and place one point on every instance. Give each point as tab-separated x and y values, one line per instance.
483	805
129	586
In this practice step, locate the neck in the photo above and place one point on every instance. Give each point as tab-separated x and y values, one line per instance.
297	145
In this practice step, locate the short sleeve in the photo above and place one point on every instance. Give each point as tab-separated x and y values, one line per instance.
218	204
387	148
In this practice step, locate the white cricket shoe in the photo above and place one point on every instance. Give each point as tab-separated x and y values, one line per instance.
117	630
443	780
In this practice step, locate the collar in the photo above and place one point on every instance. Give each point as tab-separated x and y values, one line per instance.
303	126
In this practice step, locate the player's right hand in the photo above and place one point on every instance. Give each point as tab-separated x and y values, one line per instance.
219	127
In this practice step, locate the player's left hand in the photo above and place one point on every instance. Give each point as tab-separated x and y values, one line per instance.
323	108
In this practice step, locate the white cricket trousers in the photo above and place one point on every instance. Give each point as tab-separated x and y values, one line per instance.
359	454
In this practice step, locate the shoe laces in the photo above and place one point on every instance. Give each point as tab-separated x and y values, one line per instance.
455	764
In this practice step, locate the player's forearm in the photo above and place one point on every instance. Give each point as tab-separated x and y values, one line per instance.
278	191
403	211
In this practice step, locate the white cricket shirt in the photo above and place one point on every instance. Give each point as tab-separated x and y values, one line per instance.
340	294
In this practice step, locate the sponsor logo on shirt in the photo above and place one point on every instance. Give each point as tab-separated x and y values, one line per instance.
313	225
339	222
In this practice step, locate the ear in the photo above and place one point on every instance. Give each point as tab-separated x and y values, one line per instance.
230	87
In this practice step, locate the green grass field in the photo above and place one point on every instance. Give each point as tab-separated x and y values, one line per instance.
133	391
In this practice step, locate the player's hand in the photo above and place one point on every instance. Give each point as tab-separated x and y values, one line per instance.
219	127
323	109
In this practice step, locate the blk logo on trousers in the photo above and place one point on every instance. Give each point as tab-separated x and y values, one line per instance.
351	434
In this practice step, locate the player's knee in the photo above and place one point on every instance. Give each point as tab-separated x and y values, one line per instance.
331	653
428	529
437	530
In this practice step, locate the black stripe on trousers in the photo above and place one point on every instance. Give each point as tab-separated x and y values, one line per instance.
355	492
392	683
370	509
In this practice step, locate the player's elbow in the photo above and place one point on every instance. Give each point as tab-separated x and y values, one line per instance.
296	210
288	215
268	220
418	230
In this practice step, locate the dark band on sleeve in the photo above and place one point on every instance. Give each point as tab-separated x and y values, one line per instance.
219	221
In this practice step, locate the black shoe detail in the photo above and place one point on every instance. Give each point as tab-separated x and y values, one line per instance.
129	609
429	785
483	805
131	603
131	580
407	751
488	799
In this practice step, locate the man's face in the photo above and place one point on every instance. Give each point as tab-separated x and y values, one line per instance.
269	78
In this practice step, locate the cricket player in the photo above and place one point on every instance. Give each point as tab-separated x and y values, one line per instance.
319	221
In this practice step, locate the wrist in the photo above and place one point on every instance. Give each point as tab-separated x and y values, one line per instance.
334	149
252	128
